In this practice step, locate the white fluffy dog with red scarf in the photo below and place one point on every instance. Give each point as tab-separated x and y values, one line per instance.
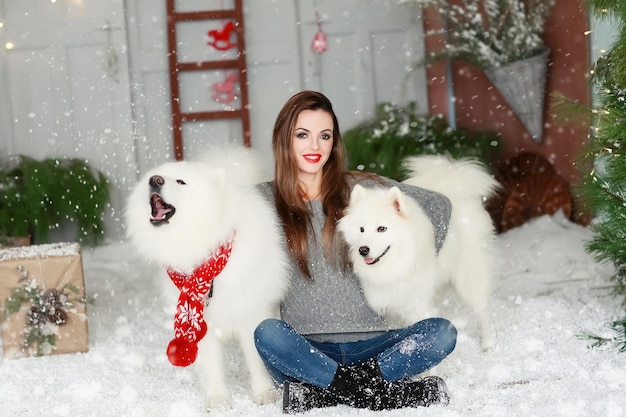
220	243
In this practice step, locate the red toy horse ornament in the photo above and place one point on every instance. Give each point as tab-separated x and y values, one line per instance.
224	91
221	37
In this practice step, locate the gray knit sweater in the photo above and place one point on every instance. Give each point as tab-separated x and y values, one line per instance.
331	306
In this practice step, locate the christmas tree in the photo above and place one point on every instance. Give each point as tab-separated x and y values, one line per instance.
604	186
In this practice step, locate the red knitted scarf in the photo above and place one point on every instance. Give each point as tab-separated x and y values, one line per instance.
189	324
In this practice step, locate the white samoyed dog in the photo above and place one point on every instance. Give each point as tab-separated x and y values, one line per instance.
392	244
177	216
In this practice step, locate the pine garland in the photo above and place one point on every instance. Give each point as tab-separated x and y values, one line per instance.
38	195
380	145
604	188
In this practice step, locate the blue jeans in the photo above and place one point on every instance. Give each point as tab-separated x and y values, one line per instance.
400	353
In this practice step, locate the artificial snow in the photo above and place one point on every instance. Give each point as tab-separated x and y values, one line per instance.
549	294
39	251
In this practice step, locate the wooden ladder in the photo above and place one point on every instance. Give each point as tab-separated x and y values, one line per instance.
176	68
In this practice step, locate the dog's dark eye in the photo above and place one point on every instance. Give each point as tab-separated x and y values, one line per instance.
362	229
381	229
181	182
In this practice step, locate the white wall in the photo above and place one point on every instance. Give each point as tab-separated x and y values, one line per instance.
6	130
371	45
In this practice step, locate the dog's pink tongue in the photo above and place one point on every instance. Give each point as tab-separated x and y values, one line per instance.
369	261
160	213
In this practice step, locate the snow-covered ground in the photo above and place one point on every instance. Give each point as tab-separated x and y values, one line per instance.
550	292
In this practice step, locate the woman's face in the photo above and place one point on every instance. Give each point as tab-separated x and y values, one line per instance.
312	141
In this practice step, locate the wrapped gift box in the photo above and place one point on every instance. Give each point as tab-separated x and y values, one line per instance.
42	300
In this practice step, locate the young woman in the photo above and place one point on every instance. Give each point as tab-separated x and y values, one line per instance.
330	348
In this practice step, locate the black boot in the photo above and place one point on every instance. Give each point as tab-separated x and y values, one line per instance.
434	391
363	386
357	385
299	397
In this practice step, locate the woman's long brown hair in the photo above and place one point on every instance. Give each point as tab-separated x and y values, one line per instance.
289	196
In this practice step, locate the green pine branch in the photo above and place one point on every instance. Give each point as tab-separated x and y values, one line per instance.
38	195
604	187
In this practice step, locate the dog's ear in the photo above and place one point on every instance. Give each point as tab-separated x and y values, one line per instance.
357	193
397	198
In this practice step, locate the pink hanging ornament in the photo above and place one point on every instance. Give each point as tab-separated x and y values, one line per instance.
319	44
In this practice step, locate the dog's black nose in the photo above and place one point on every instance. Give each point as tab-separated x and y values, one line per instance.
156	182
364	250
